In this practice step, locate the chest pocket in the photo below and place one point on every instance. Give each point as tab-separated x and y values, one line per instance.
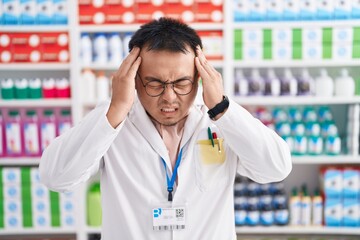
212	170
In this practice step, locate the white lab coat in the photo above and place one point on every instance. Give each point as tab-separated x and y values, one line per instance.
133	178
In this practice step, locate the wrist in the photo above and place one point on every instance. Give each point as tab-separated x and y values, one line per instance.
219	109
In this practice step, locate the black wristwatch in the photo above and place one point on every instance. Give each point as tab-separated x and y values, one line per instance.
219	108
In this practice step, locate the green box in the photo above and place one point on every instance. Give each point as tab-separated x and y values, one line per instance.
267	51
327	51
238	53
297	51
327	36
356	50
238	38
296	36
356	34
267	36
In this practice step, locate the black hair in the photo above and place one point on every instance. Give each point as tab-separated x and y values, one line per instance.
165	34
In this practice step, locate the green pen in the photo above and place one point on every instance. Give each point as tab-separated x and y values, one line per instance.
211	137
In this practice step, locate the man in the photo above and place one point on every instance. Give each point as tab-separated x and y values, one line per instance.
167	166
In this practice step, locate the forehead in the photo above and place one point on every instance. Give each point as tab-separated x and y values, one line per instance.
165	60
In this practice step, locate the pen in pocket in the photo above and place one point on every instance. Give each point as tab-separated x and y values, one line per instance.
218	140
211	137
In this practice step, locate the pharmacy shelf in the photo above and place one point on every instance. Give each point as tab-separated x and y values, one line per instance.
34	28
34	66
296	100
297	24
19	161
308	63
36	231
326	159
298	230
36	103
133	27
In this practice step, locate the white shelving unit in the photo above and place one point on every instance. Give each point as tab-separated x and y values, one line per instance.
227	66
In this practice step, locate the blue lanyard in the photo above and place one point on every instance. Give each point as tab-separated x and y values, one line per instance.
170	182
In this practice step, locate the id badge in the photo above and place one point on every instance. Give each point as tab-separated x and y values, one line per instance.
169	218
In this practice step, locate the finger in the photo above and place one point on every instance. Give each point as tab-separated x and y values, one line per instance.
211	71
130	59
135	67
202	72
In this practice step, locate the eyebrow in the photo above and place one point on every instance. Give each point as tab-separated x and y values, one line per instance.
159	80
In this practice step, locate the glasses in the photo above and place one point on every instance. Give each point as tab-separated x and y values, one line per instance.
156	88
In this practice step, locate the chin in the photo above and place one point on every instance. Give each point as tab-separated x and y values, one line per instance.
168	122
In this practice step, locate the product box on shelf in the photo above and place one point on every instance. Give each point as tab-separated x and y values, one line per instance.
100	12
55	47
342	9
333	212
257	10
274	10
27	132
291	10
351	212
325	9
6	48
60	15
44	12
28	11
241	10
34	47
332	179
27	203
212	44
210	12
11	11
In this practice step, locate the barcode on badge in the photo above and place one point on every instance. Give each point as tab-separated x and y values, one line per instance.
168	227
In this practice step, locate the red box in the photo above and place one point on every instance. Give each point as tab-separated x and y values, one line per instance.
88	14
146	11
26	47
55	47
180	12
120	14
208	12
5	48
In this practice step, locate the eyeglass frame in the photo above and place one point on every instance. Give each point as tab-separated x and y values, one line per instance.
164	85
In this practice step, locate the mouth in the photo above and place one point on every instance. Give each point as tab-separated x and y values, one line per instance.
169	110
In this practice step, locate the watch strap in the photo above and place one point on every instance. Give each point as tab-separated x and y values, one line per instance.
219	108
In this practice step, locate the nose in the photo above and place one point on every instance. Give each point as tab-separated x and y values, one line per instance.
169	93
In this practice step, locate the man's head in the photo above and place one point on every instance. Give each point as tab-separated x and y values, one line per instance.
167	56
165	34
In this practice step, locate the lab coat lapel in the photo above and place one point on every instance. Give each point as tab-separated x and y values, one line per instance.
143	123
191	125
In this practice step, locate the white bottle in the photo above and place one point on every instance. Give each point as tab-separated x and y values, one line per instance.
272	83
86	53
102	87
256	83
305	83
126	41
324	84
241	83
115	49
344	84
100	49
88	83
289	84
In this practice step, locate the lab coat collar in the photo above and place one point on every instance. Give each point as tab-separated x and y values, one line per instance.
143	123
